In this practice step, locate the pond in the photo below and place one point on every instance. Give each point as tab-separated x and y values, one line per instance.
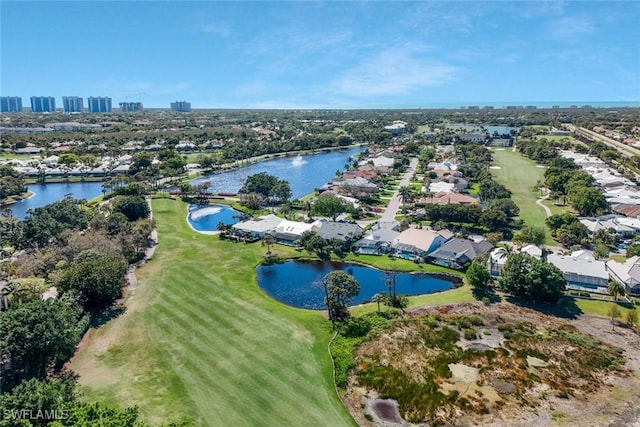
299	284
45	194
206	218
304	173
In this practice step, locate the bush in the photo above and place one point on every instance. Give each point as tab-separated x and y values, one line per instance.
470	334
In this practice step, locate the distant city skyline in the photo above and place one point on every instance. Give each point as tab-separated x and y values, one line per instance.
335	55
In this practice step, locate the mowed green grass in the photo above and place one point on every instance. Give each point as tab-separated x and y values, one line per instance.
201	342
520	175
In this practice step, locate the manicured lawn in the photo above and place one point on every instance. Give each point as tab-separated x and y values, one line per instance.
520	175
199	341
384	262
457	295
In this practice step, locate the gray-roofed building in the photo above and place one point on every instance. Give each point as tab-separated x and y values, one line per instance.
627	273
458	252
258	227
343	231
582	274
415	243
377	241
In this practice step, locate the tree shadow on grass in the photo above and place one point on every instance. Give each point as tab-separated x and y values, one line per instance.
566	308
485	295
102	316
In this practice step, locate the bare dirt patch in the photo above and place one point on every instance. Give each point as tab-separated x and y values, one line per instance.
522	368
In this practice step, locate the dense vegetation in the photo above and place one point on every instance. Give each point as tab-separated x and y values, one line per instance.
84	252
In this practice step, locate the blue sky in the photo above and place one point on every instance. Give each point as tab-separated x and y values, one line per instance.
333	54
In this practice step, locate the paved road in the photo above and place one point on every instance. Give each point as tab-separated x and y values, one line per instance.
394	205
546	208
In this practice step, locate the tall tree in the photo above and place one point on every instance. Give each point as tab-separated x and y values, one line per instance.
532	279
36	336
339	287
98	281
330	205
478	275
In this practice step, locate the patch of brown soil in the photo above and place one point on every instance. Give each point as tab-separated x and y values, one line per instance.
609	398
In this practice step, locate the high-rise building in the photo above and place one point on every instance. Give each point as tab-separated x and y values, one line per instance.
99	104
72	104
10	104
181	106
127	107
43	104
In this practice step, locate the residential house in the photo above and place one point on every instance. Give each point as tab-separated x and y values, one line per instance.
287	232
377	241
582	274
532	250
441	187
356	185
627	273
343	231
258	227
497	260
449	199
458	252
414	243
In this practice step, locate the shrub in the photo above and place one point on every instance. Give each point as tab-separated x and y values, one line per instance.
470	334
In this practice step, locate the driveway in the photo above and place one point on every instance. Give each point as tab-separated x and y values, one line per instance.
394	205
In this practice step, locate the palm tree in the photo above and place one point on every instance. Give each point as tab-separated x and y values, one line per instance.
267	241
378	298
614	289
406	195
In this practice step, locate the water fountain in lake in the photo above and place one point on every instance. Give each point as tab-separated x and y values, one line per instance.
298	161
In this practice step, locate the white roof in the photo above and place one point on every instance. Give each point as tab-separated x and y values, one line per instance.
583	254
262	224
441	187
628	272
294	227
383	161
579	267
532	250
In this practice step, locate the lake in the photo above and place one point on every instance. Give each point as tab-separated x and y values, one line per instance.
299	284
49	193
304	173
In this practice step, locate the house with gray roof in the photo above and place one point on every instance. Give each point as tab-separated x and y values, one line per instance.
582	274
343	231
376	242
458	252
415	243
627	273
258	227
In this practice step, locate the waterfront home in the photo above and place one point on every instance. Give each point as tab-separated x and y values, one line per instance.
377	241
414	243
626	273
288	232
258	227
356	186
343	231
582	274
458	253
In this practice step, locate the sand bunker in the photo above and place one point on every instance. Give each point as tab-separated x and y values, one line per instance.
495	167
464	373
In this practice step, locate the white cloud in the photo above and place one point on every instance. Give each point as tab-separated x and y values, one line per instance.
218	28
570	27
393	72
